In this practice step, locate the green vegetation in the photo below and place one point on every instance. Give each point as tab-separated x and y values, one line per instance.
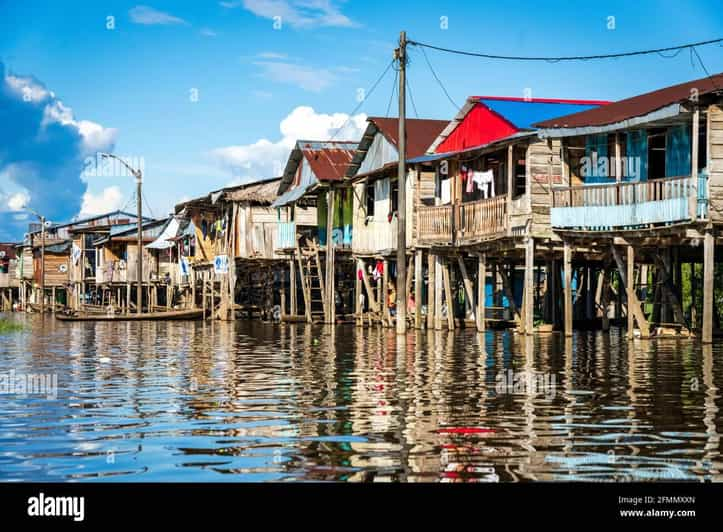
7	326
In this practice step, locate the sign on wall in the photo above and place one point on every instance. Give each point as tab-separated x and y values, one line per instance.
220	264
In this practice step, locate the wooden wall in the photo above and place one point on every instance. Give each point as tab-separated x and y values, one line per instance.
715	162
544	170
53	263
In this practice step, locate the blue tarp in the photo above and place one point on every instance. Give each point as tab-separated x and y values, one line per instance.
523	114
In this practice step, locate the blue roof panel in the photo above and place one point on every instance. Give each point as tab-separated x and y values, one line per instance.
523	114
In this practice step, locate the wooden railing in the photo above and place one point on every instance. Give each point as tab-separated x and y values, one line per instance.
622	193
460	223
483	218
628	205
436	224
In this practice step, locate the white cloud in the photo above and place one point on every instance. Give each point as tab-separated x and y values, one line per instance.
271	55
110	199
296	13
149	16
208	32
18	201
265	158
304	77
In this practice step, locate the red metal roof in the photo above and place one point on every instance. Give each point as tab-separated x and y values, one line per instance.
420	132
637	105
328	159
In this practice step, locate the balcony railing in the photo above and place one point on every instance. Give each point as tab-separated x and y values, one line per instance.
463	223
628	205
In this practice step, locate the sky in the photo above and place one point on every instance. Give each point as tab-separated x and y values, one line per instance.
209	94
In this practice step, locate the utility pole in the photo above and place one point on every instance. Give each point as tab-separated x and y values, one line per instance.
401	55
138	174
42	266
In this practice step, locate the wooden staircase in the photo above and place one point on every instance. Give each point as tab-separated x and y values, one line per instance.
312	282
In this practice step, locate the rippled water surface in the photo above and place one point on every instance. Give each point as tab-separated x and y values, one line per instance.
247	401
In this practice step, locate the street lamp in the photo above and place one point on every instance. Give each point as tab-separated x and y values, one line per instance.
139	178
42	258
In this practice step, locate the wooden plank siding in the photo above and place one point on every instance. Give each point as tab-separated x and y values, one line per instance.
544	170
715	162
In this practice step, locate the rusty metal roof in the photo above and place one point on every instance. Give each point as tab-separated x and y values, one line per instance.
329	159
636	106
421	132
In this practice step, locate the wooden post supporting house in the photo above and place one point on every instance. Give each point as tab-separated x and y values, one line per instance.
438	274
567	266
292	288
448	295
418	282
481	292
358	310
529	296
431	290
384	295
708	286
468	286
330	277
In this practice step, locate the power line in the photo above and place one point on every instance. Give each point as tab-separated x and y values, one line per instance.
364	99
391	97
411	98
694	51
563	58
439	81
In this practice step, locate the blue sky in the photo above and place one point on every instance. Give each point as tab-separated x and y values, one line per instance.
211	93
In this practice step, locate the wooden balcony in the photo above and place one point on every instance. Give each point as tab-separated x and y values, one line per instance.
622	206
464	223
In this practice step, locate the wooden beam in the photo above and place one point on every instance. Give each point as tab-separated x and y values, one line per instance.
329	294
634	308
418	281
695	137
529	285
370	292
385	295
431	305
567	266
708	287
467	282
322	284
480	319
438	289
292	288
448	296
507	287
304	285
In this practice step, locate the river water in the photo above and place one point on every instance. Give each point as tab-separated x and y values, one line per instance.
248	401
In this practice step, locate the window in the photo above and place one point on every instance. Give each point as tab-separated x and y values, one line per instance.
656	153
370	199
394	195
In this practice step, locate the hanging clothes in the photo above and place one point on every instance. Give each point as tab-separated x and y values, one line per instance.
466	178
446	191
485	182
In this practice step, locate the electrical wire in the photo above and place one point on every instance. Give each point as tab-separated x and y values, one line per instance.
563	58
411	97
439	81
394	87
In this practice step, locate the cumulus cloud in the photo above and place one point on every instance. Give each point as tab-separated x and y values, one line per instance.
149	16
42	150
109	199
265	158
18	201
296	13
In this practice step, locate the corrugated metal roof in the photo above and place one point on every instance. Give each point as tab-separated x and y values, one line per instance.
636	106
259	192
328	160
495	144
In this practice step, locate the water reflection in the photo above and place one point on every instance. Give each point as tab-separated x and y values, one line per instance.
195	401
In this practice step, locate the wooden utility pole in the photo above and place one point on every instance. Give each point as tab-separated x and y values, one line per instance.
140	240
42	265
401	55
330	293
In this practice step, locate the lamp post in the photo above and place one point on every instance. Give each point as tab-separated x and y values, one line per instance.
139	179
42	258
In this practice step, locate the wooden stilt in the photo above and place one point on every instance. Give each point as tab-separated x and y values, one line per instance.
438	283
605	298
634	308
292	288
480	319
385	295
448	296
431	288
418	282
330	294
693	296
529	312
373	301
708	286
567	266
358	310
468	287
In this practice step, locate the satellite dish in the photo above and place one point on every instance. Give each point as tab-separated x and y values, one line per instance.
48	223
2	254
63	268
